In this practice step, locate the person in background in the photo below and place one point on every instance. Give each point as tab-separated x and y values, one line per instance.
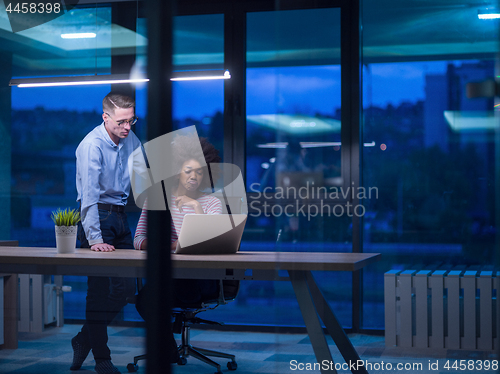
103	186
186	196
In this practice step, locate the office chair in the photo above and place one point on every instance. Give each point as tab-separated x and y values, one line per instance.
186	316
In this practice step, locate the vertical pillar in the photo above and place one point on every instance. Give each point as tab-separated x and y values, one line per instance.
352	133
1	311
5	143
159	269
123	14
10	311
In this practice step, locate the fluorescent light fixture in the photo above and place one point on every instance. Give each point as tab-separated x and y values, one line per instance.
319	144
111	79
488	14
308	145
463	121
79	35
296	124
273	145
75	81
200	75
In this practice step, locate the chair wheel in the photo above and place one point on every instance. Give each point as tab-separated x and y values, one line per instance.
132	368
182	361
232	365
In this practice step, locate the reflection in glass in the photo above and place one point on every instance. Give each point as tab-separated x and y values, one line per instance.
435	173
46	53
293	157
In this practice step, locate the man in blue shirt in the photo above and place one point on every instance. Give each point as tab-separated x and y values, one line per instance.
103	186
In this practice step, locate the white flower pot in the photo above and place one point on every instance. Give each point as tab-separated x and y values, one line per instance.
66	239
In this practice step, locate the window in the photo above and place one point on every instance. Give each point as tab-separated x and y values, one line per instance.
433	152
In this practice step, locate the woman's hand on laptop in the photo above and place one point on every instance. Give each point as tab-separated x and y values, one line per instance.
181	201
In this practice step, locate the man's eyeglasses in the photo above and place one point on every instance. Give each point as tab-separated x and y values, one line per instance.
132	121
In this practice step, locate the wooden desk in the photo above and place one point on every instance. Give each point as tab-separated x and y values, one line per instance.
294	267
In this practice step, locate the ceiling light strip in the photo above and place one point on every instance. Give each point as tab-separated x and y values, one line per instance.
198	78
79	35
81	83
488	13
108	79
489	16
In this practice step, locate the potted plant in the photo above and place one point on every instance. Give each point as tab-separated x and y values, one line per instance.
66	228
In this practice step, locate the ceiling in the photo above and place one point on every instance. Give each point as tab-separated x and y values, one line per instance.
393	30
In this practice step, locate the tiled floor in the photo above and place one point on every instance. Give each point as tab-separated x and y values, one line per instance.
50	352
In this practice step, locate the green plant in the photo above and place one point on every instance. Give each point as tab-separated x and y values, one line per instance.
65	217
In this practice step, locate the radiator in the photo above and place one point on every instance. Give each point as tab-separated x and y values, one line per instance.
452	309
39	304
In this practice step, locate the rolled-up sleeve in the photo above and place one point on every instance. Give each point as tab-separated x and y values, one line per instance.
89	161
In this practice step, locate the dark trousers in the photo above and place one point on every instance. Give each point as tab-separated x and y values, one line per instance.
106	296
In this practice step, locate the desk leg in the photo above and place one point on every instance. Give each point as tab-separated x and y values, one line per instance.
312	301
333	326
10	312
314	330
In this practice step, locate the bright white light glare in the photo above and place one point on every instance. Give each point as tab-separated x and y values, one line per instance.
79	35
81	83
372	144
302	123
226	75
273	145
74	81
489	16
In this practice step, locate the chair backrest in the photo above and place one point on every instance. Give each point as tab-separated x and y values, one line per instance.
230	289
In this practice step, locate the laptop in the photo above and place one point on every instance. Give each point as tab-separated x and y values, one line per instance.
203	234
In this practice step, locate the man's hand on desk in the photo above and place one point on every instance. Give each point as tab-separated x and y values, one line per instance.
173	246
102	247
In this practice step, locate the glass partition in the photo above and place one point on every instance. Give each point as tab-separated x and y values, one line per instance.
433	154
47	52
293	159
199	45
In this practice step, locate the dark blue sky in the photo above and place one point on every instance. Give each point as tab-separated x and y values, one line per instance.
269	90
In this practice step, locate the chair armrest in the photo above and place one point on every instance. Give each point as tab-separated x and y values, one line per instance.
222	300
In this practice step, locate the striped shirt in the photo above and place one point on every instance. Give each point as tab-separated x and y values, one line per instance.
210	205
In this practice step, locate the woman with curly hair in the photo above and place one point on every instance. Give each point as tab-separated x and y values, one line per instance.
186	196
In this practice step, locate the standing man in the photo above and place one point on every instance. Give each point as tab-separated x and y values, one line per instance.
103	186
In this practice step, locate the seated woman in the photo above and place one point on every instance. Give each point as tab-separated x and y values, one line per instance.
186	197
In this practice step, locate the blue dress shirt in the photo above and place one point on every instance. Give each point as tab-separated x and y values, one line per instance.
102	176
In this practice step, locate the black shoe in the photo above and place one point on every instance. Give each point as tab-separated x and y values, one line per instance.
80	353
106	367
